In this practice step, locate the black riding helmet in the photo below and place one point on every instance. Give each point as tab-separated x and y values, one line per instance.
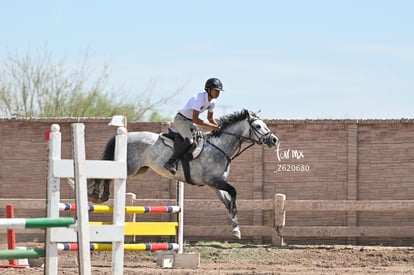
214	83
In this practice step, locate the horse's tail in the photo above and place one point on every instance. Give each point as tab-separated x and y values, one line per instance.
109	151
94	185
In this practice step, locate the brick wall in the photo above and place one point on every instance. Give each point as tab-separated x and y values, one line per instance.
317	159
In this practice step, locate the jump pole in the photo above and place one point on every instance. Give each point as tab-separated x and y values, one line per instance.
36	222
127	247
21	254
12	223
11	240
171	209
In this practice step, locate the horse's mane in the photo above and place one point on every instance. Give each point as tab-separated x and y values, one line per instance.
227	120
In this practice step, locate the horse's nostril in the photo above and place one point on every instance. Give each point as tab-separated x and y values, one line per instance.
274	140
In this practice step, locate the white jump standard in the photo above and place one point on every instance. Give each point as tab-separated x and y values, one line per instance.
87	234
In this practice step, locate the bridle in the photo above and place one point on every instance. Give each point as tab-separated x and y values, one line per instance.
260	139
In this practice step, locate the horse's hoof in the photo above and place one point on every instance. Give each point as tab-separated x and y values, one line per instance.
94	198
104	197
236	232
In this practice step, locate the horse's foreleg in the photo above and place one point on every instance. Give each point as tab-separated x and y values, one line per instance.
228	198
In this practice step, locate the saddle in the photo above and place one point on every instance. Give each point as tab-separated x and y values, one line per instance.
173	139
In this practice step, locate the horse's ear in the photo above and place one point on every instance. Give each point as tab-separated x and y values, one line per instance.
246	113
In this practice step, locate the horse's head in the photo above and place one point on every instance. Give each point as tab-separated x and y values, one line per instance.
259	132
254	129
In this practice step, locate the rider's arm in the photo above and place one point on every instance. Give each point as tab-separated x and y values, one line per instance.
210	117
201	122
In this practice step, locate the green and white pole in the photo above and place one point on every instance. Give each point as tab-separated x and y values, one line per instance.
36	222
22	254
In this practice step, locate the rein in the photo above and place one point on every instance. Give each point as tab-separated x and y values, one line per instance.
241	140
240	151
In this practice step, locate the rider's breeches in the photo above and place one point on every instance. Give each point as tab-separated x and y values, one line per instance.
184	126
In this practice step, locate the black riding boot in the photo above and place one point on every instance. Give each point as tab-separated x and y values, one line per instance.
182	148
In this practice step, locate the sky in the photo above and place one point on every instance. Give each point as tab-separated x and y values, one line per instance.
309	59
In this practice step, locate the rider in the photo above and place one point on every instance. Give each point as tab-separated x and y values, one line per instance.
188	117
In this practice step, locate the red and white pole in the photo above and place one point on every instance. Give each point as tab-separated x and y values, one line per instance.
11	234
11	238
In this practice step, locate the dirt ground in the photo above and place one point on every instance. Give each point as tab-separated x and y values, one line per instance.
236	258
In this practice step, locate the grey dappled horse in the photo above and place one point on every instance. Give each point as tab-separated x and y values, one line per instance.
210	167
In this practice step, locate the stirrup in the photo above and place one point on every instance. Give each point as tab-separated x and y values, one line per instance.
171	168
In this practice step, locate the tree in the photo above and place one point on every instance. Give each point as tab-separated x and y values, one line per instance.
42	87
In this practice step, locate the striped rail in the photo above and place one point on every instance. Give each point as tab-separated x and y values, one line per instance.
36	222
39	252
128	209
127	247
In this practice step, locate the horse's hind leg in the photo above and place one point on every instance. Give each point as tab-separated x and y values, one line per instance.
106	190
227	195
96	185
